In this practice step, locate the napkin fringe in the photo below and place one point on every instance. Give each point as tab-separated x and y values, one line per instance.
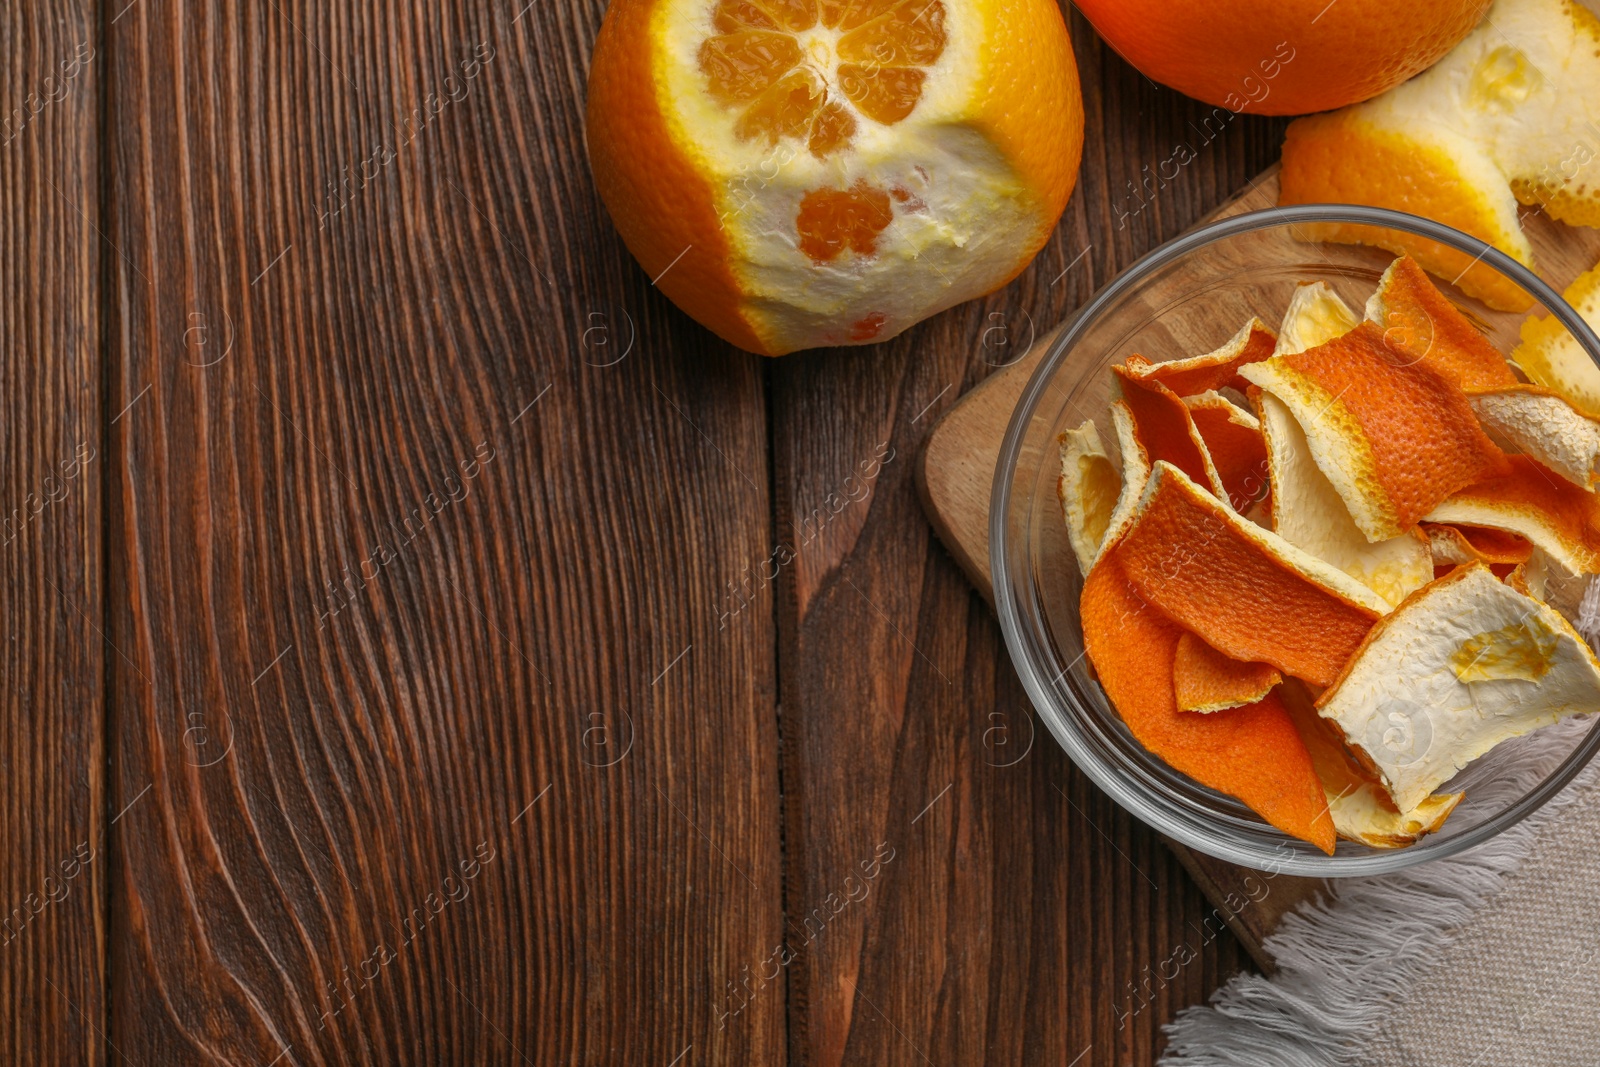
1344	959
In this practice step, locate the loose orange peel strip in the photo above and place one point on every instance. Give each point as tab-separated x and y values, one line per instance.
1550	511
1088	487
1545	426
1205	680
1247	592
1135	473
1419	320
1253	752
1213	370
1361	807
1233	440
1393	436
1315	316
1476	544
1166	429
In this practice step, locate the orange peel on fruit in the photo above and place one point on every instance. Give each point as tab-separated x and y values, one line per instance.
1550	356
1205	680
1233	440
1393	436
1422	322
1213	370
1361	807
1247	592
1253	753
1088	487
1509	114
1557	516
1543	425
1465	663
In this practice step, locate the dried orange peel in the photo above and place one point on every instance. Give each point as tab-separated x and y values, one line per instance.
1088	487
1247	592
1456	545
1361	807
1213	370
1393	436
1205	680
1422	322
1541	424
1252	752
1548	510
1166	428
1465	663
1233	441
1315	316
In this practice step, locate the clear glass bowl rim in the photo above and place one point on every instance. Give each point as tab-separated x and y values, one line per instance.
1190	830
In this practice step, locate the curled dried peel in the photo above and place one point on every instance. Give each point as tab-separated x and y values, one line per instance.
1550	356
1253	752
1456	545
1393	436
1166	429
1315	316
1205	680
1088	488
1465	663
1309	513
1213	370
1135	473
1362	809
1233	441
1550	511
1545	426
1245	591
1419	320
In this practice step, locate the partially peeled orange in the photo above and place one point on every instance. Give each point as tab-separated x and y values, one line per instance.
796	173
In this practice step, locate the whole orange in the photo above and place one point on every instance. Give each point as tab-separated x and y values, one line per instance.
796	173
1282	57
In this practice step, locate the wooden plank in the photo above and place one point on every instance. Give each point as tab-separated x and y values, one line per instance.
54	852
420	565
955	475
1022	916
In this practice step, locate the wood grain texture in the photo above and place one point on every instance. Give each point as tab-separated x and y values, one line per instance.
54	851
425	508
1024	917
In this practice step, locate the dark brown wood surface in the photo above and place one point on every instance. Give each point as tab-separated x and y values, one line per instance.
450	695
55	807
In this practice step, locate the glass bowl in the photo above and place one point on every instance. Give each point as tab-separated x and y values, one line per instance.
1187	297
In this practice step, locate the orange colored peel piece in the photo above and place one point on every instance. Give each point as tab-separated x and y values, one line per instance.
1468	544
1422	322
1247	592
1394	436
1540	505
1165	427
1205	680
1253	752
1213	370
1234	441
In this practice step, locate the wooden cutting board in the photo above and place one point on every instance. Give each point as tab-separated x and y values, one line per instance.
956	473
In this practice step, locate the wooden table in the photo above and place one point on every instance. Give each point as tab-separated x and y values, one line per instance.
404	662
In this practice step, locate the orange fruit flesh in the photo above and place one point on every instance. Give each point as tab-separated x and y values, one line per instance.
1187	555
1207	681
1251	752
1418	425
